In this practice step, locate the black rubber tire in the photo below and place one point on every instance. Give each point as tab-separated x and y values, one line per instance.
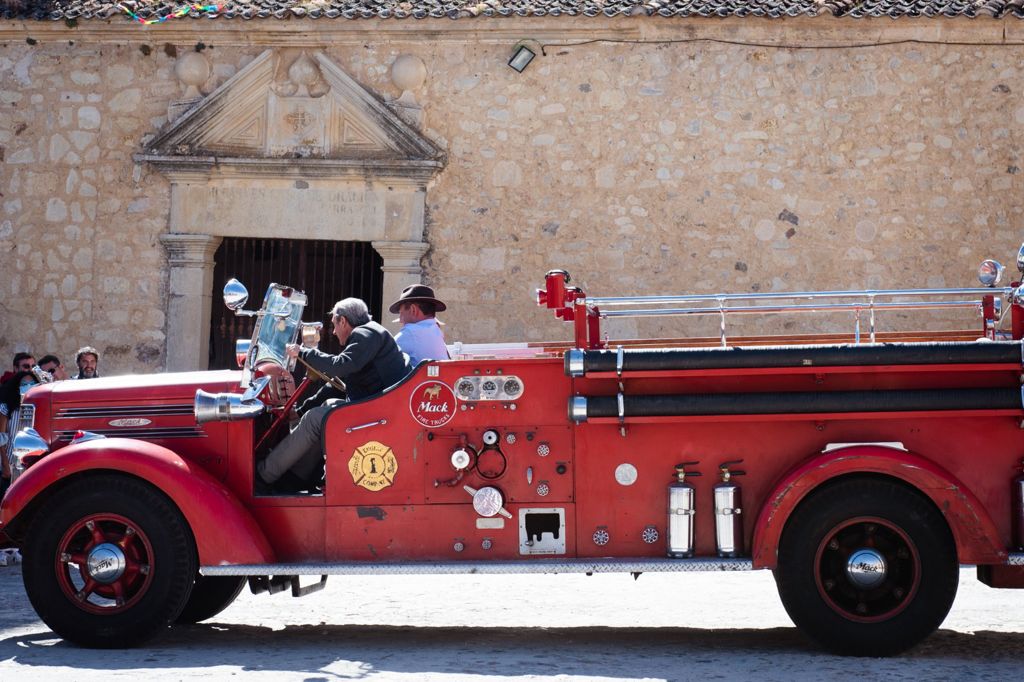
164	558
891	519
211	594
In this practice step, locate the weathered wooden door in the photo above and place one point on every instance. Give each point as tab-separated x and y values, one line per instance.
326	270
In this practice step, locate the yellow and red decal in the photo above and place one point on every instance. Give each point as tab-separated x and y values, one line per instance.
373	466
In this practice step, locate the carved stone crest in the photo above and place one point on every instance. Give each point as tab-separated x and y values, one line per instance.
308	107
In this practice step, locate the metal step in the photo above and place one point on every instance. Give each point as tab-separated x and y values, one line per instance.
460	567
694	565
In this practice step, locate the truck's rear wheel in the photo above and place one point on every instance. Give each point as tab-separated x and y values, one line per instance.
211	594
867	567
110	563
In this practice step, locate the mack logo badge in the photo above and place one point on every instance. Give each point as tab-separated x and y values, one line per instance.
130	422
373	466
432	404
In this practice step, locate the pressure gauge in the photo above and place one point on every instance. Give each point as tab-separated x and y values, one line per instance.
512	388
489	388
490	437
465	389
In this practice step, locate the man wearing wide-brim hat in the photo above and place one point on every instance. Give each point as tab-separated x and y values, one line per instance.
421	337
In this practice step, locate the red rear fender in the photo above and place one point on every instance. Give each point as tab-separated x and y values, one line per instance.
224	531
977	539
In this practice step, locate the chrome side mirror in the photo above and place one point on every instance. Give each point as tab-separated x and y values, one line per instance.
990	272
1020	258
235	294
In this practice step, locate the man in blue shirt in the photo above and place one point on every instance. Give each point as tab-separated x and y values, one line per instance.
421	337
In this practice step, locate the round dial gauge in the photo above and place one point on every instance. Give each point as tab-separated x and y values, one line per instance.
512	387
489	388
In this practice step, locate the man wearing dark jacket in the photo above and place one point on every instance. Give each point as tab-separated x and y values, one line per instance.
369	362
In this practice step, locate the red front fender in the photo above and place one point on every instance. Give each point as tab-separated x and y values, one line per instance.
224	531
976	536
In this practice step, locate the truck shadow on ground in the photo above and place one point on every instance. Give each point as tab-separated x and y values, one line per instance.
356	651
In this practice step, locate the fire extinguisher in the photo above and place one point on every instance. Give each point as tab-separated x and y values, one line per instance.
728	510
681	496
1018	508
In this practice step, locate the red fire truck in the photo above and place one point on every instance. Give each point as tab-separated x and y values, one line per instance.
862	468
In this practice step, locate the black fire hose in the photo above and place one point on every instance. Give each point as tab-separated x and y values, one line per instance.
582	408
579	362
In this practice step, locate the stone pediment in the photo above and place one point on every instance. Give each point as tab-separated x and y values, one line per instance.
308	109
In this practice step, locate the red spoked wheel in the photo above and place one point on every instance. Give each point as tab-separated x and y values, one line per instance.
104	563
109	562
867	567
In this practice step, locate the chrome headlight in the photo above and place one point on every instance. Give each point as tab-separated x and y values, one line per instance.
25	450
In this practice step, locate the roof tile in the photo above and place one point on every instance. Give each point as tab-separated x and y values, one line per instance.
58	10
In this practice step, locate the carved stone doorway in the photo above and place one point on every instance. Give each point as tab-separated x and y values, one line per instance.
291	146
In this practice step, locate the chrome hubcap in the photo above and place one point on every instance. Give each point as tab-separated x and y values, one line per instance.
866	568
105	563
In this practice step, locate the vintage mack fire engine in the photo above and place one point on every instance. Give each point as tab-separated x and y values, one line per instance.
872	464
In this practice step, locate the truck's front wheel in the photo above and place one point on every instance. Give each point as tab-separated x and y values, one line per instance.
110	563
867	567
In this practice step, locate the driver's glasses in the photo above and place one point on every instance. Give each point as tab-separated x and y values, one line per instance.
26	366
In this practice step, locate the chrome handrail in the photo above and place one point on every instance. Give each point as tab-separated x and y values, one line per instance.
717	303
754	296
798	308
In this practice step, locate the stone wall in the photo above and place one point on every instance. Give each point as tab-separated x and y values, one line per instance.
641	166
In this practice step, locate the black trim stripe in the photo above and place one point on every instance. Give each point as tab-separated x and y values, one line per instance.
113	412
142	434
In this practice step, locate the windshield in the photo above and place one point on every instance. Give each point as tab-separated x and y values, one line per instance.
277	325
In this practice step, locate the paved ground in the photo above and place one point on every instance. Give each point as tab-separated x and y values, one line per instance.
523	628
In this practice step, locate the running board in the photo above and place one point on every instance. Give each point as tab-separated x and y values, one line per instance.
496	567
459	567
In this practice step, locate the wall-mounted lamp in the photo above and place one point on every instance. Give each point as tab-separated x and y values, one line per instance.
521	58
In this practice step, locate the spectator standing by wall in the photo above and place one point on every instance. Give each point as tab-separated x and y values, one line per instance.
88	360
52	365
22	362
